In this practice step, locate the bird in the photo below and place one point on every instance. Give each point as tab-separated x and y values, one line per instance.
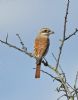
41	46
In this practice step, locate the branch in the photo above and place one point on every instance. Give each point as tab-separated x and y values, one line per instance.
21	42
75	86
15	47
65	20
61	96
59	64
74	33
64	34
55	78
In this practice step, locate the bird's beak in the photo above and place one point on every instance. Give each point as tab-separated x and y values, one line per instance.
51	32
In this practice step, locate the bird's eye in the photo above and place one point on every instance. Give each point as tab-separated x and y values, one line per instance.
45	30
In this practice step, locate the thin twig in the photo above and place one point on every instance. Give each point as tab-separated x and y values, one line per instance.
61	96
64	34
21	42
55	78
74	33
56	62
75	85
17	48
65	20
7	38
20	39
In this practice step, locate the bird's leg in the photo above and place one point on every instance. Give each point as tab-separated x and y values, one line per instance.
44	61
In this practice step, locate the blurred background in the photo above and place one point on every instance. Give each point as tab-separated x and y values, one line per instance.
26	17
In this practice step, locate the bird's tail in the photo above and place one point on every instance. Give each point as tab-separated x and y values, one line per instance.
37	74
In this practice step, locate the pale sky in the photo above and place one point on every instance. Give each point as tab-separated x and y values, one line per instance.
26	17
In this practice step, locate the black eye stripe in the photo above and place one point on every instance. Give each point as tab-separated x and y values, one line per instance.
45	30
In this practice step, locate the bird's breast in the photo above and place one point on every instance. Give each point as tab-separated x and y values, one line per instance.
41	46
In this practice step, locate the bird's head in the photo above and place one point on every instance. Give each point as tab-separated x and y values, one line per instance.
46	32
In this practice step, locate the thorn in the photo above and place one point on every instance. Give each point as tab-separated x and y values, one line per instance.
7	38
76	29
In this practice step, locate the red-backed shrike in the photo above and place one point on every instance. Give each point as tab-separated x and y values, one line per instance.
41	46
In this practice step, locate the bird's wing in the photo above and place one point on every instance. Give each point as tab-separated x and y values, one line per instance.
41	47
